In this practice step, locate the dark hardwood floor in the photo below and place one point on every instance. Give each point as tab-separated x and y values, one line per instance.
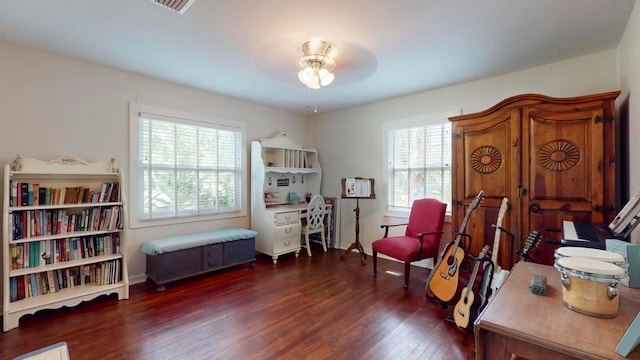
307	308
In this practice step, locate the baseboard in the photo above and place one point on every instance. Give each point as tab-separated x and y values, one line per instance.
137	279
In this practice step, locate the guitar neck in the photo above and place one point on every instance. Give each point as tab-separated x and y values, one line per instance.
496	248
496	238
462	228
474	273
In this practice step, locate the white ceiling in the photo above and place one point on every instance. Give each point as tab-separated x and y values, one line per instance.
247	49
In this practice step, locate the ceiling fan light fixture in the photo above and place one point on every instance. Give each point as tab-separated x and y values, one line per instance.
326	77
316	64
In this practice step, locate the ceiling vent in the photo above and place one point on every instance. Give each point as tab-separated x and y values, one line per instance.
179	6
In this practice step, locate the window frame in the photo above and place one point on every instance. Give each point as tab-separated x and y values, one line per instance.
399	124
135	182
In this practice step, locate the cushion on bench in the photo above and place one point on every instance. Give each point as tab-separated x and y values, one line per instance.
175	243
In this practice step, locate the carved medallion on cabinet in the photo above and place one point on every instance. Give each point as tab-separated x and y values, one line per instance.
559	155
486	159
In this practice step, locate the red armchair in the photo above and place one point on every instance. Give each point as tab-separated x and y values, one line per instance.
421	239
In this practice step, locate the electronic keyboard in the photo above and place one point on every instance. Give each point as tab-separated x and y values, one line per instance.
594	235
585	234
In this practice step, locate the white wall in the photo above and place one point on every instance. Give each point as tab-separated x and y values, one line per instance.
51	106
629	77
351	141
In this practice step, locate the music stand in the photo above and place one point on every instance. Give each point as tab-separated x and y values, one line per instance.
357	188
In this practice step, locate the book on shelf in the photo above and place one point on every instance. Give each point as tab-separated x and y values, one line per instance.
13	284
31	223
21	287
32	194
24	194
43	252
42	195
52	283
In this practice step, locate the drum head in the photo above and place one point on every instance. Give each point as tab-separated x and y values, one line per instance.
596	254
587	266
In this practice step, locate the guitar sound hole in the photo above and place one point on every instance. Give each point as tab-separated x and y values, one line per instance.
451	260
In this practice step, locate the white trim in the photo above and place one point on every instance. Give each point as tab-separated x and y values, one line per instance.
135	110
414	121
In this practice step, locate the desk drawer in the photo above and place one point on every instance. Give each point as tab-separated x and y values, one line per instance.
286	217
287	241
288	231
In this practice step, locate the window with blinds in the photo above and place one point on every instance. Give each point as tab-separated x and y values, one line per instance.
419	159
185	168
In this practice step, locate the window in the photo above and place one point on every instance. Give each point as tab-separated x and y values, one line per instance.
419	159
184	167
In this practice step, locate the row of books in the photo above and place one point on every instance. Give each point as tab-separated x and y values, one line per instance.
32	223
39	253
48	282
32	194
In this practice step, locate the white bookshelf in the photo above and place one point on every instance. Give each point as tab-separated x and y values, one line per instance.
78	240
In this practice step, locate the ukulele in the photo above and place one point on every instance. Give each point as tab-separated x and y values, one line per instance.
462	310
443	279
499	274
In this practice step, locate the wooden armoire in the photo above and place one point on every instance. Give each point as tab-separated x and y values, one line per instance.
553	158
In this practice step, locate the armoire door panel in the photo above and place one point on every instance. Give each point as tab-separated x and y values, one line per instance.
487	154
561	160
565	169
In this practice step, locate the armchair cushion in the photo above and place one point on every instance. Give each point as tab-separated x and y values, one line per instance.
404	248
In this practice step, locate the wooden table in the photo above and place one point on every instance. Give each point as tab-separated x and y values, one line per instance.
519	322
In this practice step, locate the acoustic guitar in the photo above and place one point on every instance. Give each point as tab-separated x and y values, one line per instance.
462	312
443	279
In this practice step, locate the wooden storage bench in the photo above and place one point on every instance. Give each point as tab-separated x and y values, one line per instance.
179	257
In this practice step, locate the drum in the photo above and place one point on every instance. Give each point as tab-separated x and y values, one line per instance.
590	286
596	254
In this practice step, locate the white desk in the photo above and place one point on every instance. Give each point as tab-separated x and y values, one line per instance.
280	229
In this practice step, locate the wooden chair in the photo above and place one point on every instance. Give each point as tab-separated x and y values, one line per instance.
421	239
313	223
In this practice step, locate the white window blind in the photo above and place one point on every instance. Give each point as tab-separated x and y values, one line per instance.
186	168
419	159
